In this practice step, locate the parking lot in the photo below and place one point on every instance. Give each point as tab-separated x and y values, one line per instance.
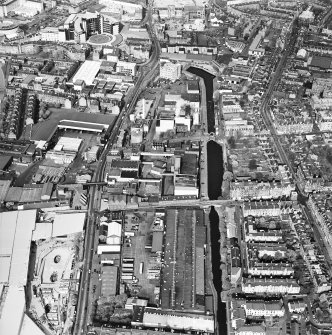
135	248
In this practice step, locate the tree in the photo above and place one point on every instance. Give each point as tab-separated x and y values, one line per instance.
120	300
259	175
291	254
54	277
329	155
102	238
266	258
187	109
24	27
278	255
232	142
252	164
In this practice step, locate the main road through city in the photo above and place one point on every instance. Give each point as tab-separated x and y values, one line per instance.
265	103
146	74
269	124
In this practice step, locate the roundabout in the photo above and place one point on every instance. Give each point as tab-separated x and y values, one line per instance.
101	40
8	28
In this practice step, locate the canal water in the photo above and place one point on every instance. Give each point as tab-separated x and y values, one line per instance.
208	81
217	282
215	169
215	177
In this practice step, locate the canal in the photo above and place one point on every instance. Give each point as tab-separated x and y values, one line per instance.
215	177
208	81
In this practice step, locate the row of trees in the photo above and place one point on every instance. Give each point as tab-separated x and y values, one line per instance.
111	309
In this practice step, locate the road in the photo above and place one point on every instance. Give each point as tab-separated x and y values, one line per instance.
267	97
147	73
269	124
326	18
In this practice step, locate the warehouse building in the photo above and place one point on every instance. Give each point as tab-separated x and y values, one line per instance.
87	72
109	280
15	238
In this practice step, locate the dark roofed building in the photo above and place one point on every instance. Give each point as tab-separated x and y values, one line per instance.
189	164
193	87
138	313
125	164
5	162
157	241
322	62
14	194
129	174
4	187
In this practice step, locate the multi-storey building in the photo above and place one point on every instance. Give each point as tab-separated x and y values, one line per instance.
260	190
80	27
238	125
270	286
263	309
191	49
269	269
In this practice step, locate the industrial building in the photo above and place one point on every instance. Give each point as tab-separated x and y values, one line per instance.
17	230
27	8
109	280
87	72
84	126
128	11
15	239
67	224
113	238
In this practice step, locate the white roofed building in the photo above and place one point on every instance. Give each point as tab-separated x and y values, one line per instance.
67	224
114	232
128	11
157	318
126	67
69	144
15	237
16	229
87	72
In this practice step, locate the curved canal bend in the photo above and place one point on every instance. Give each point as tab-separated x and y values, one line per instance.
215	176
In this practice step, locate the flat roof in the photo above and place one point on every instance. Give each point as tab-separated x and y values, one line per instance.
178	3
69	143
43	231
189	164
154	317
25	224
4	269
12	313
193	85
124	164
69	223
15	237
29	327
109	280
7	232
14	194
87	72
4	161
157	241
32	194
79	125
321	62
